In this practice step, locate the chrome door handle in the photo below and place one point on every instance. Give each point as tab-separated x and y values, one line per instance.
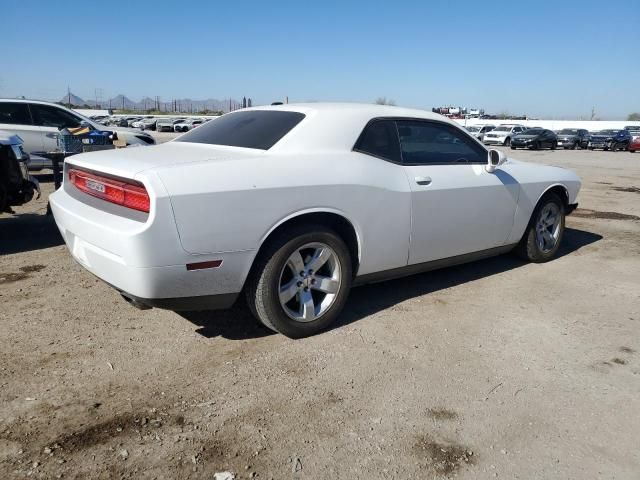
52	135
423	180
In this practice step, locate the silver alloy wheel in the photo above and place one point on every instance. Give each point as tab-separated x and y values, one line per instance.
548	227
309	282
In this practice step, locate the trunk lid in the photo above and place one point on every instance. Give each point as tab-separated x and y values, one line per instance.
129	162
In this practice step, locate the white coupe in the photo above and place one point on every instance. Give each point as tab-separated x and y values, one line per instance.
292	205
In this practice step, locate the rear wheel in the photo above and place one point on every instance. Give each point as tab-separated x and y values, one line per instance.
574	146
554	145
301	281
542	238
507	142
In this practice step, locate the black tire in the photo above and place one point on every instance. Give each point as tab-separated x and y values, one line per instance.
507	142
262	288
554	145
574	146
513	148
536	146
528	248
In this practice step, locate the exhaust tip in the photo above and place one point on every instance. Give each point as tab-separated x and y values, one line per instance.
135	303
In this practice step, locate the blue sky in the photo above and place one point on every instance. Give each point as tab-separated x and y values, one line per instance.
550	58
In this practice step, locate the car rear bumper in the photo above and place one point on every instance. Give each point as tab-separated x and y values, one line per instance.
145	261
494	141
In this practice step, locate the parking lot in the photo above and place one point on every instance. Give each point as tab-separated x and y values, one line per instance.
491	369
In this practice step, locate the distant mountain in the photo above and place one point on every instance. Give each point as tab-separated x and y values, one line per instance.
184	105
72	99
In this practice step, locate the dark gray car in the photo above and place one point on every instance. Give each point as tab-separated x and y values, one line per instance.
573	138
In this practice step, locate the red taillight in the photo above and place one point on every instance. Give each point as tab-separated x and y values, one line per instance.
114	191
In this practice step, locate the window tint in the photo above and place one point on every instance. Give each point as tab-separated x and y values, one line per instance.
437	143
48	116
380	138
15	113
249	129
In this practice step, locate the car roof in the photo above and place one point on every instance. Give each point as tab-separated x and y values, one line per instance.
336	126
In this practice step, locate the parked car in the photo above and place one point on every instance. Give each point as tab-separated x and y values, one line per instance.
535	139
167	124
187	125
572	138
17	187
634	146
610	140
502	134
145	124
479	131
348	194
38	124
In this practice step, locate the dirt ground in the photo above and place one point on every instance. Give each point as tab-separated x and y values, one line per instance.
492	369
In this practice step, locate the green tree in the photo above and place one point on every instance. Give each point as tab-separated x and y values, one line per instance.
634	117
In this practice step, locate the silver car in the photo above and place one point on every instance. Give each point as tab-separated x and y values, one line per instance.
38	124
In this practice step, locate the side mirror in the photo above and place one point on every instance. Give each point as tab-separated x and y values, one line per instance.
495	159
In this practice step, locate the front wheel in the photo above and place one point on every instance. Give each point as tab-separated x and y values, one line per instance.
301	281
542	238
554	145
507	142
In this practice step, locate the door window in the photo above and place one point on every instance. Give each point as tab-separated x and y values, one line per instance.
380	139
48	116
15	113
425	143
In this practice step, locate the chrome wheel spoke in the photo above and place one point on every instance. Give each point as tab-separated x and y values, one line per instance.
296	263
288	291
307	307
325	284
319	258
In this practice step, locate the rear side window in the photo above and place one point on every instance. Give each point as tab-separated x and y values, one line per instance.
260	129
380	139
15	113
48	116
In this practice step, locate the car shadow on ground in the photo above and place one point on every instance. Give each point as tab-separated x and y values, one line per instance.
27	232
239	324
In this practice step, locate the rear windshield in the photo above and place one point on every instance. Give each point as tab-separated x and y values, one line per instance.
250	129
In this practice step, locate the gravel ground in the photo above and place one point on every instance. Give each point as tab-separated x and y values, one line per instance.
492	369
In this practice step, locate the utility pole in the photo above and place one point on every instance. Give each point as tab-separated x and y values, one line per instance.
68	96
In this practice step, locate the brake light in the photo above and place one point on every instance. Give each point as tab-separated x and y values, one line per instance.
120	192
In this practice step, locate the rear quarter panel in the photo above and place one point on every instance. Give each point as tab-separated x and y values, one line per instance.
232	205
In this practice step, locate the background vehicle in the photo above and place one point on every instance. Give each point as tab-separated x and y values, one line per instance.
572	138
502	134
145	124
126	121
535	139
167	124
187	125
38	124
610	140
346	195
479	131
620	141
17	187
634	146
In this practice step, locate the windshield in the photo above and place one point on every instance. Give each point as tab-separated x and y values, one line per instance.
473	129
532	131
607	132
502	129
568	131
260	129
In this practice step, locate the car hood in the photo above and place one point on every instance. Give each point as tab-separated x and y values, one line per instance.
129	162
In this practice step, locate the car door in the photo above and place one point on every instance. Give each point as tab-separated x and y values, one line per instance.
457	206
50	119
15	117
